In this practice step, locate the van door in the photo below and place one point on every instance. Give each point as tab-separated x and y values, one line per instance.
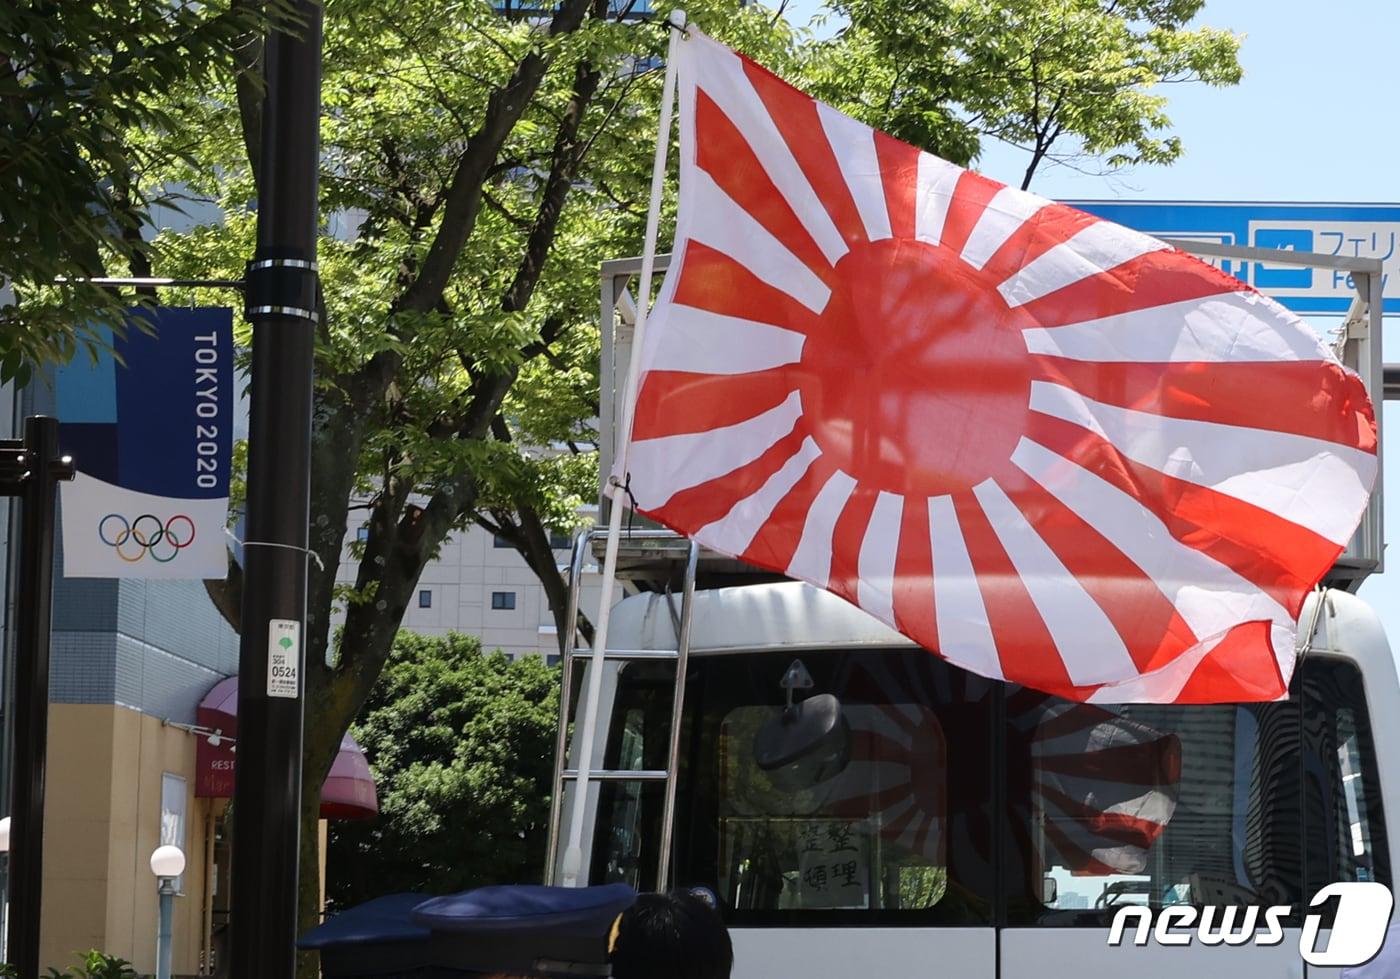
870	857
1218	805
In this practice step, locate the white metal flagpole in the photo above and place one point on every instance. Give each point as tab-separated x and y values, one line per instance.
573	853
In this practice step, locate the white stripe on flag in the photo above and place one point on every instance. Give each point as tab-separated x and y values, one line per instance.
1313	483
964	632
1003	216
1209	596
1228	328
934	193
812	559
854	145
702	342
734	532
1142	801
662	467
717	221
875	567
1085	639
1097	248
722	78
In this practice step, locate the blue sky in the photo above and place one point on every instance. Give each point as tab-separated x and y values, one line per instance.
1313	120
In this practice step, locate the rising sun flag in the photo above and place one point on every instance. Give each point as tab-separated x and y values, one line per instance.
1047	448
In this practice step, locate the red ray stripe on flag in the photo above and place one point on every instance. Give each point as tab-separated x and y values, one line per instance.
1077	859
969	201
899	173
1153	279
1260	546
680	402
1024	645
776	542
698	506
1047	228
1144	618
725	155
913	576
712	280
846	540
1112	826
1138	764
1242	667
1312	398
795	115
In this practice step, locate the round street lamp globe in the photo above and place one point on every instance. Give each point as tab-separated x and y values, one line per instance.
168	861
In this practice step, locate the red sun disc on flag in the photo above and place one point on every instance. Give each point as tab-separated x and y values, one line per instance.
1048	448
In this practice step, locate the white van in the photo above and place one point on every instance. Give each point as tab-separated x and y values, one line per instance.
926	822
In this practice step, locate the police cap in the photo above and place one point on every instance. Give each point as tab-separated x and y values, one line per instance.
524	929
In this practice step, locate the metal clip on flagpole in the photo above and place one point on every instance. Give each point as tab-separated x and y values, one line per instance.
573	853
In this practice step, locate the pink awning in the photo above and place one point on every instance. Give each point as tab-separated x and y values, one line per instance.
348	793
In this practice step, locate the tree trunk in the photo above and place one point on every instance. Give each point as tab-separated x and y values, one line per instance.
309	879
534	547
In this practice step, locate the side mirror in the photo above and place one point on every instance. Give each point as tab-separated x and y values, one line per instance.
1049	890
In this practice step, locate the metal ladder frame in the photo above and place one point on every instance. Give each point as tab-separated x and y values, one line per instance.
572	653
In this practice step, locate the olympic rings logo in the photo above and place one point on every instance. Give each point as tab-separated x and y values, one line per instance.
133	539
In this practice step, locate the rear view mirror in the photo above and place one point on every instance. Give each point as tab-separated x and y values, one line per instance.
805	745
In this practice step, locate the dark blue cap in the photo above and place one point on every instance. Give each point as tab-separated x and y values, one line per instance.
377	938
525	929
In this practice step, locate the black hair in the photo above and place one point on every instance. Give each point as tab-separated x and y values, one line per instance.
671	936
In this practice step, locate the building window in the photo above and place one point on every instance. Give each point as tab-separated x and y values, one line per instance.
498	542
560	540
503	600
172	817
425	599
553	659
362	534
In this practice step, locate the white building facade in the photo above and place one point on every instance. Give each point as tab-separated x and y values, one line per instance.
481	586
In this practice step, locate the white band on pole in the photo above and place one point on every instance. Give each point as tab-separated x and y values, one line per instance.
573	853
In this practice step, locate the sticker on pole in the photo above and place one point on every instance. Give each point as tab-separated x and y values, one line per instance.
283	658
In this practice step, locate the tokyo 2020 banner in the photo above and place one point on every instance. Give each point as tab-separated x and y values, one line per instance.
151	433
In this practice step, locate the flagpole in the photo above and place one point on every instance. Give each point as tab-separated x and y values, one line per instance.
573	853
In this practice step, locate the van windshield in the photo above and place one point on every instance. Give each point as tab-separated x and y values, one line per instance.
889	818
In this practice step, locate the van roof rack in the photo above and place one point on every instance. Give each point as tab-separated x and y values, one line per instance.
654	558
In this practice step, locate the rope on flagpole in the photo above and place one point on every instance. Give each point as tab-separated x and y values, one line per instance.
573	853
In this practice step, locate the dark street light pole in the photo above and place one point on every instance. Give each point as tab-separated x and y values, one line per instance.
30	470
281	305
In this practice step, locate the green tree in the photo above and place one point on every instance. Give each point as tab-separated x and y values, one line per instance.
477	168
1068	81
461	743
85	117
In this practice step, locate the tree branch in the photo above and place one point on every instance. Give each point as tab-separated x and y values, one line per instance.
530	538
503	110
248	83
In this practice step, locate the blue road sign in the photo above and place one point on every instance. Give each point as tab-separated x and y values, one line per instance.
1364	230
